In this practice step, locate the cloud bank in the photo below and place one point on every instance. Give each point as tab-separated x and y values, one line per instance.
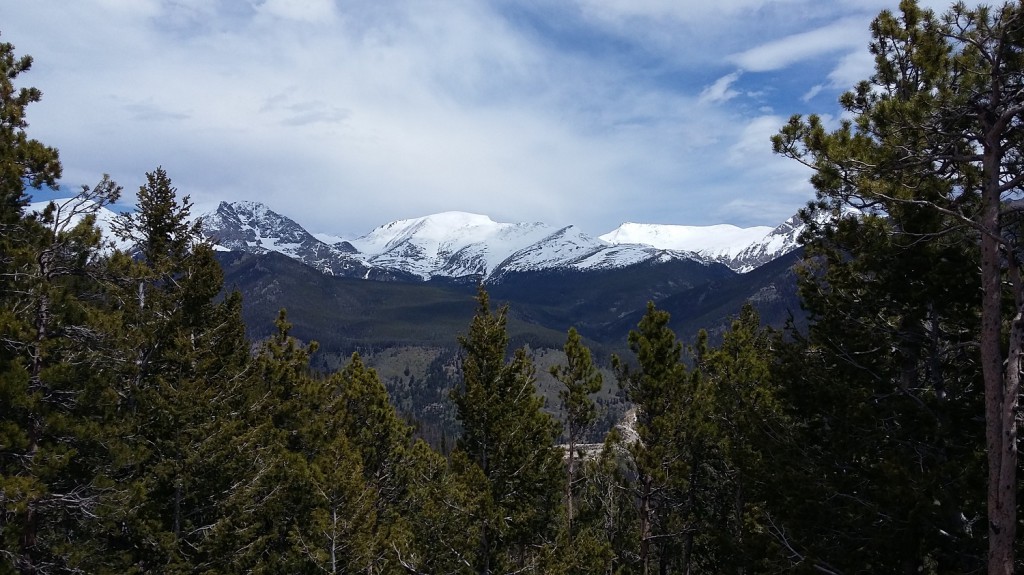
347	115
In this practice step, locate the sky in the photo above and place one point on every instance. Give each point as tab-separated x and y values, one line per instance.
346	115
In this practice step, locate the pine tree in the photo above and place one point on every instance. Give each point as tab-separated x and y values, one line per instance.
668	455
938	126
747	422
363	410
508	436
182	354
581	379
881	467
446	508
54	465
24	162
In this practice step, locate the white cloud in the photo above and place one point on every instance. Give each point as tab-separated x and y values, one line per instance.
781	53
814	91
721	90
682	11
348	115
311	11
851	69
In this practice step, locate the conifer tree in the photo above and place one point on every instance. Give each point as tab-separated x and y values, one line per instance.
182	354
23	161
54	464
882	466
669	454
747	422
581	379
366	416
275	491
446	508
508	436
938	126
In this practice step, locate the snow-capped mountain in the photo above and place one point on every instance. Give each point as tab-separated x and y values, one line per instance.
450	244
464	245
776	243
742	249
570	248
717	241
459	245
252	227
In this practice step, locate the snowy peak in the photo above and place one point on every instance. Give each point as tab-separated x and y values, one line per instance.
720	242
742	249
464	245
252	227
461	245
716	239
450	244
776	243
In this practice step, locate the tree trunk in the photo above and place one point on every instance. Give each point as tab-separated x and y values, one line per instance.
1001	387
645	523
570	469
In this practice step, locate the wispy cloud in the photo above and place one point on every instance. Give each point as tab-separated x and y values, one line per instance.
313	11
783	52
348	115
721	90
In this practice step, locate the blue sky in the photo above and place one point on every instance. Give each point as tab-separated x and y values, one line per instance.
348	115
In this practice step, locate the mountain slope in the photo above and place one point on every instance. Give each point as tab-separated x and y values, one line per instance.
742	249
467	248
251	227
451	246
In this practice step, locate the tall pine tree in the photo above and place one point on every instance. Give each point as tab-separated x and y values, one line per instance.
508	436
938	125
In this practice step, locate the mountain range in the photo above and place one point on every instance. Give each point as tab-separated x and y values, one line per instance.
554	277
401	294
464	247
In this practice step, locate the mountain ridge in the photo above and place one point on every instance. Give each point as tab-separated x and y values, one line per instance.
466	246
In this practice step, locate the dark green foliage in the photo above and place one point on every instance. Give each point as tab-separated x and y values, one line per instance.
54	466
883	395
447	509
580	379
669	452
747	424
23	161
933	144
511	440
178	353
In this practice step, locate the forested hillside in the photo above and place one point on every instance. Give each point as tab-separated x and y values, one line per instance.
143	431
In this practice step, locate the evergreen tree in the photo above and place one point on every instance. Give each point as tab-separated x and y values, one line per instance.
671	448
447	508
582	547
511	440
748	422
882	467
364	412
182	353
938	126
24	162
264	512
581	379
54	465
